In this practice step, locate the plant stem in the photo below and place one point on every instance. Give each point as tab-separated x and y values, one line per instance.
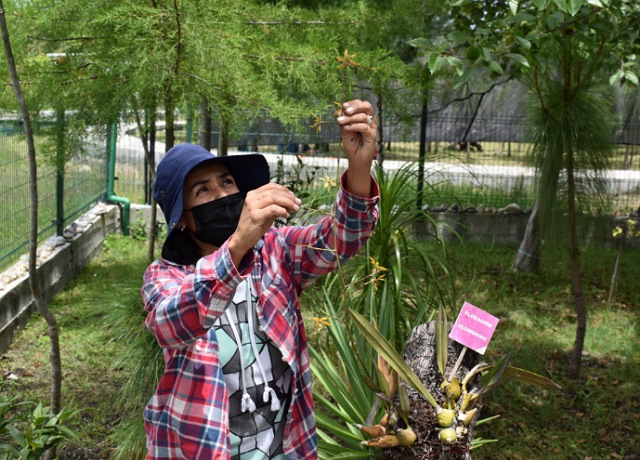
456	366
614	275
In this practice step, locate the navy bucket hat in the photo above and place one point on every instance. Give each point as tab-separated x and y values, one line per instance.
249	171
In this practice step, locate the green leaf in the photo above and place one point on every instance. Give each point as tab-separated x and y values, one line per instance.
495	67
519	58
562	5
522	16
530	378
334	427
513	6
370	383
556	19
17	436
435	62
423	43
574	6
541	4
526	44
457	63
382	346
403	398
69	433
631	77
442	340
616	77
459	36
488	419
486	54
494	378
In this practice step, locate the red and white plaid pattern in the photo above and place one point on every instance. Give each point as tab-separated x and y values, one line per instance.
187	416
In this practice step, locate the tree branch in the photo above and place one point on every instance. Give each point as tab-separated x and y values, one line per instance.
470	95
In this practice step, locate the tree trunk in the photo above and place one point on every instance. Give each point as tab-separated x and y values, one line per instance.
151	159
204	125
422	147
528	256
576	280
223	138
380	117
147	132
614	276
420	355
169	118
34	284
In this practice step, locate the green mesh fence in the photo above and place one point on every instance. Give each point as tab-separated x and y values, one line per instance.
61	198
485	165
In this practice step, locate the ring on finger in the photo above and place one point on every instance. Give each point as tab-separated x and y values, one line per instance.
370	120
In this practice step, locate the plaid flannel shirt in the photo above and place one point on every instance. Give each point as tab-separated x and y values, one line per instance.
187	416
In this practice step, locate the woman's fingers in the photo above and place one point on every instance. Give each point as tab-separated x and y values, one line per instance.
272	196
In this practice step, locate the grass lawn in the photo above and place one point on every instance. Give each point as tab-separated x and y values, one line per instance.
594	417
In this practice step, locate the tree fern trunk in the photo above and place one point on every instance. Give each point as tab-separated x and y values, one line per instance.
576	280
528	256
420	355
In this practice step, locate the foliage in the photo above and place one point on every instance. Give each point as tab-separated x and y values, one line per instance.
341	397
243	58
510	39
382	286
561	49
456	414
396	284
535	328
574	132
28	435
142	356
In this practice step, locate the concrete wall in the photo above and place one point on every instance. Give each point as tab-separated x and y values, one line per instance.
504	228
59	260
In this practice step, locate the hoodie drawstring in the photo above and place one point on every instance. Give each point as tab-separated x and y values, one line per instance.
268	391
248	403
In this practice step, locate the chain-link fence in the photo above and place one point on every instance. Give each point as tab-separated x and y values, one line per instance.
470	161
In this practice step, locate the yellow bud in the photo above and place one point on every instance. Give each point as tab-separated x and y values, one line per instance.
406	437
466	399
374	431
445	417
453	390
468	416
448	436
383	442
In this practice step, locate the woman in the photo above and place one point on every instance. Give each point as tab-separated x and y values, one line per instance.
222	301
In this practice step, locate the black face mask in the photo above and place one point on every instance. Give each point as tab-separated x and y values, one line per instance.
218	219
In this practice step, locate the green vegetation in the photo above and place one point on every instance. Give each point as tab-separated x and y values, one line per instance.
595	416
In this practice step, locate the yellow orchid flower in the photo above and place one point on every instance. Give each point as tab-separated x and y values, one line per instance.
321	322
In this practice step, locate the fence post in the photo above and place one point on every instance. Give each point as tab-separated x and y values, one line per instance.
59	171
112	134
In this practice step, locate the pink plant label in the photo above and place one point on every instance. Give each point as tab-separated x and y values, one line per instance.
474	328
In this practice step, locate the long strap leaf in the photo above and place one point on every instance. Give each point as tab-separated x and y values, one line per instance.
382	346
442	340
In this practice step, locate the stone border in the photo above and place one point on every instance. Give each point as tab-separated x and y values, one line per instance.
58	260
